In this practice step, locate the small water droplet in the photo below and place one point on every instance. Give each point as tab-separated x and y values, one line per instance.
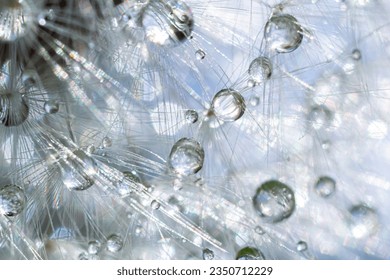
106	142
12	200
259	230
155	205
325	186
301	246
249	253
283	33
254	101
186	157
260	70
200	54
356	54
191	116
83	256
51	106
274	201
320	117
94	247
114	243
208	254
228	105
363	221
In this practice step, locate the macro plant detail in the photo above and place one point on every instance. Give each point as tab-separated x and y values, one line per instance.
183	129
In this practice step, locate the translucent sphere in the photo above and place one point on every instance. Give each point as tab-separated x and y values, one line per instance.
51	106
208	254
114	243
249	253
363	221
228	105
200	54
325	186
320	117
283	33
186	157
274	201
168	23
301	246
94	247
191	116
12	200
260	70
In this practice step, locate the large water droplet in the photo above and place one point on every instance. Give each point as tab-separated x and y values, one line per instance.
114	243
12	200
363	221
174	25
260	70
325	186
228	105
274	201
207	254
283	33
249	253
186	157
78	170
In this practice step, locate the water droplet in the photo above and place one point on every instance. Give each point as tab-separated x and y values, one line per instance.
283	33
301	246
208	254
83	256
259	230
325	186
191	116
155	205
228	105
363	221
114	243
320	117
249	253
94	247
356	54
200	54
260	70
14	109
91	149
274	201
106	142
254	101
51	106
12	200
172	29
78	170
186	157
